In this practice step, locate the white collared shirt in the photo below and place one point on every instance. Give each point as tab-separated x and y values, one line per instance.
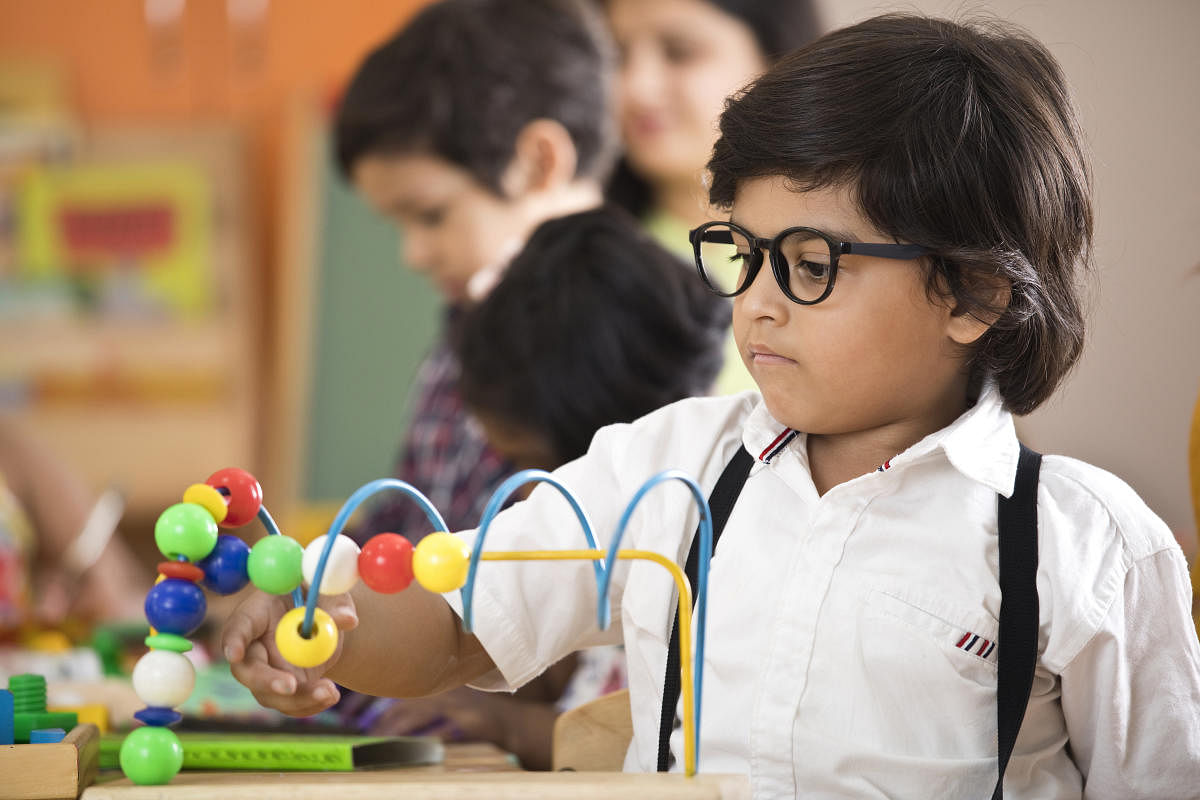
851	648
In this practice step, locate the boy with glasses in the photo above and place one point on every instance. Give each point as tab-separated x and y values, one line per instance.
866	637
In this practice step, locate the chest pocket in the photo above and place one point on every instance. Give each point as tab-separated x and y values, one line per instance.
967	641
915	657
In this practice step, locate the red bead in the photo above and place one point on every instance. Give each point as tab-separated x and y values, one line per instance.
243	495
180	569
385	563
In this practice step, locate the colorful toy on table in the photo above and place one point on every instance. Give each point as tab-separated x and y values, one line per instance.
187	534
23	712
306	636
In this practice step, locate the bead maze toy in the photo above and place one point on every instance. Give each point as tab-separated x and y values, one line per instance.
306	636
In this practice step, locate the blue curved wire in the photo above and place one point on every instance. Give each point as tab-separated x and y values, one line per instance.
264	517
497	501
603	572
603	610
339	522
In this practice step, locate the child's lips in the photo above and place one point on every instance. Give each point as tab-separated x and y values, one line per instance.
645	125
767	357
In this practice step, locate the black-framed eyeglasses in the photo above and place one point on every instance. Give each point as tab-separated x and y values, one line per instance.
804	260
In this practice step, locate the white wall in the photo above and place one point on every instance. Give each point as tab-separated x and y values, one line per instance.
1135	71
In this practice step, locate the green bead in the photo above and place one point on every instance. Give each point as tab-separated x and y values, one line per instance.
168	641
186	529
275	564
151	756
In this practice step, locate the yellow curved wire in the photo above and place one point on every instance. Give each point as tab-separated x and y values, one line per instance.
685	621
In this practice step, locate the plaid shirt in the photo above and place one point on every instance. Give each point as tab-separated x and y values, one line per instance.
444	454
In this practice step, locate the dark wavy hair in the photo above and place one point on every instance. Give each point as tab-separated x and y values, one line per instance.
779	26
958	137
463	77
593	324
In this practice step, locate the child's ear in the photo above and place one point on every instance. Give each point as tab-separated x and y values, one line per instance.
966	326
544	157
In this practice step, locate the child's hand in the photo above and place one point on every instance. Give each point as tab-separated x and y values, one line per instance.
249	644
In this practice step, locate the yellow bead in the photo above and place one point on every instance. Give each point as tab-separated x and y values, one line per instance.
311	651
441	561
204	495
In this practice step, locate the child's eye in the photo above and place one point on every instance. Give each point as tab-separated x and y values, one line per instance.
430	217
677	50
815	271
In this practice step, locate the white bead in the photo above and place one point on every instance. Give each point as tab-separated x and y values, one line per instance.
164	678
341	570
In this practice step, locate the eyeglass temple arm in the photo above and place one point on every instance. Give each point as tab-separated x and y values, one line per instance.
900	251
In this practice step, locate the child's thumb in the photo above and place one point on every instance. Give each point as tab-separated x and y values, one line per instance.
341	608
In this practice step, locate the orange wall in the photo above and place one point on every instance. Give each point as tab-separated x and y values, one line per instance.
205	67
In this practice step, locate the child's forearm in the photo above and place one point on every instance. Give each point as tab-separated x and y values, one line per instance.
409	644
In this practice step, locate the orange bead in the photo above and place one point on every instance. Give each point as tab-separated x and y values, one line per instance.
180	569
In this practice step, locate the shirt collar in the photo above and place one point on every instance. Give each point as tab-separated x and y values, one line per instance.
981	443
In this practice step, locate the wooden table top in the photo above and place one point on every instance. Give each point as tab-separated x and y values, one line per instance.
469	771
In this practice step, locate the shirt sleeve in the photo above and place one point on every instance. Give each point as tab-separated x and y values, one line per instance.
511	598
1131	696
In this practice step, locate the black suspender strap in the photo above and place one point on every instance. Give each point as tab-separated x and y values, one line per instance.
1018	641
1017	657
720	503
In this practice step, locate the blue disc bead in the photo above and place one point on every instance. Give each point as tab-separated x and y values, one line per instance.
158	716
225	567
176	606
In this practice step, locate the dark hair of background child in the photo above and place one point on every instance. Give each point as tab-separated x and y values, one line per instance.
486	69
961	138
593	323
779	26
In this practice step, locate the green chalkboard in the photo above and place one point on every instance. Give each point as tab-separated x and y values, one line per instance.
373	323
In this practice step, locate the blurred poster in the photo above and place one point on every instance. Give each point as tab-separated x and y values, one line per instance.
125	240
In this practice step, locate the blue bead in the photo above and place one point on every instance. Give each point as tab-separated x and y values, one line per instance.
158	716
176	606
225	567
47	736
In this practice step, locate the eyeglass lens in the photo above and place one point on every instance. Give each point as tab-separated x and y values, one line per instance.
725	255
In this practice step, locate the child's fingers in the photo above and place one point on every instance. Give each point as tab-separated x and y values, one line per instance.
243	627
342	609
309	699
255	672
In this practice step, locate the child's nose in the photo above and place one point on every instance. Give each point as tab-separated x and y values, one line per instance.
415	252
763	297
641	79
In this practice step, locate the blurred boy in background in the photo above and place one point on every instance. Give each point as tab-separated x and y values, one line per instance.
476	122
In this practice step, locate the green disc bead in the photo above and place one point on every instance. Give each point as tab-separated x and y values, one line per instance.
186	529
151	756
168	641
275	564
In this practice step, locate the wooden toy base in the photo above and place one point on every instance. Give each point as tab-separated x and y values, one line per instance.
51	771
